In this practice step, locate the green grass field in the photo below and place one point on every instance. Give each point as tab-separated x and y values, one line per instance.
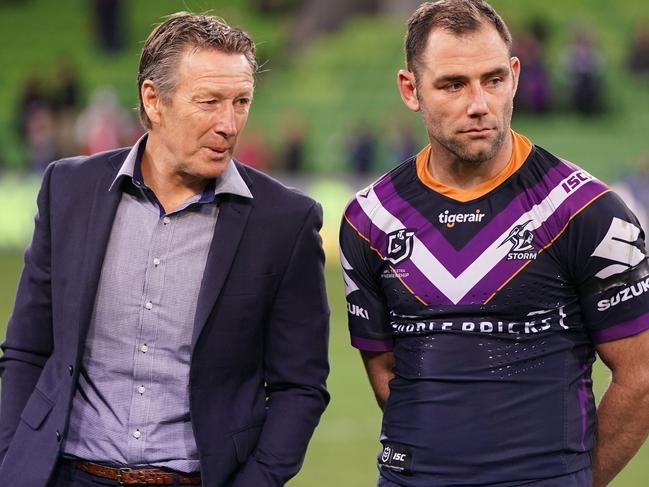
345	444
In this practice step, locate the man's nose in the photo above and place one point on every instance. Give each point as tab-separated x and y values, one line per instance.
225	122
478	102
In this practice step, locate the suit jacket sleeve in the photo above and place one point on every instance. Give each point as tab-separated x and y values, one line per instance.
28	343
295	361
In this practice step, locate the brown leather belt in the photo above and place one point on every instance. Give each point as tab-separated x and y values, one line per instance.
137	476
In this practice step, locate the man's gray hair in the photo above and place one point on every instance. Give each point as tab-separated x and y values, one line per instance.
169	40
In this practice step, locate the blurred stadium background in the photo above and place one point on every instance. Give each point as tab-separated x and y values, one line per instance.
327	118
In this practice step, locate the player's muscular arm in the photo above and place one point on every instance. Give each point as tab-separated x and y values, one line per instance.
623	414
379	367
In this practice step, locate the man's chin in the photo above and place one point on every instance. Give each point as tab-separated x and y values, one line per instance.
478	157
209	168
480	151
476	154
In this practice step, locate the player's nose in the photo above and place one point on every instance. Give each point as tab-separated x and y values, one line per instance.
477	102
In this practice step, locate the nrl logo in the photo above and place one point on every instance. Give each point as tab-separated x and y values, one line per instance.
399	245
521	240
386	454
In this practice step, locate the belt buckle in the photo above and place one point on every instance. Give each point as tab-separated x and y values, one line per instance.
121	471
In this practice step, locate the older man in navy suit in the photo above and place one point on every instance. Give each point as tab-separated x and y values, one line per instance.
171	322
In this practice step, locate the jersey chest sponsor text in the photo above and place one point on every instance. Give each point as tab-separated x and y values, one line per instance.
450	219
534	322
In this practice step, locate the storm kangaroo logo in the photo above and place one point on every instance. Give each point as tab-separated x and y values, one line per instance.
521	240
399	245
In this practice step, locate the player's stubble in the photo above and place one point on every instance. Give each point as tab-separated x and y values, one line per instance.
452	143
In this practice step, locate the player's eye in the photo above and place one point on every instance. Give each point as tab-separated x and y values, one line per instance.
453	87
208	102
495	81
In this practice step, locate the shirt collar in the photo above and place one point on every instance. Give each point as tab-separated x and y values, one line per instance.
229	182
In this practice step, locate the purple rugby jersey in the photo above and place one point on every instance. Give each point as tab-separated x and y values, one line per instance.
492	308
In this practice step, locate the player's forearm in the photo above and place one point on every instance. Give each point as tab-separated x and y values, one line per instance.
622	427
379	367
381	391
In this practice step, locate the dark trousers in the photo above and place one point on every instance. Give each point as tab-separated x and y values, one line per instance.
67	475
583	478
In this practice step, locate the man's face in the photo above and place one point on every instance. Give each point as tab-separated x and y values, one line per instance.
198	125
464	87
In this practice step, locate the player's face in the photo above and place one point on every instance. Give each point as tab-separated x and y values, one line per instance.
464	87
198	126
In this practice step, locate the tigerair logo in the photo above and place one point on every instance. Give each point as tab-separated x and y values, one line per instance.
450	219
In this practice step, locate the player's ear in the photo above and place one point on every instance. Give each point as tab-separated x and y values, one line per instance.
408	88
515	64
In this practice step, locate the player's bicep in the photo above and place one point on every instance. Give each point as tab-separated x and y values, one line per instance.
628	358
612	271
366	309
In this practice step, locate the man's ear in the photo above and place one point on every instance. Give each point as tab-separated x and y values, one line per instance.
151	101
515	64
408	89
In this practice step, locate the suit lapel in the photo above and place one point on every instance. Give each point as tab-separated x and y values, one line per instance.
100	222
230	224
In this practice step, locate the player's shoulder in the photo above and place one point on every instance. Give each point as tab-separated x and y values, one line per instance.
560	171
570	188
376	195
604	213
600	201
590	207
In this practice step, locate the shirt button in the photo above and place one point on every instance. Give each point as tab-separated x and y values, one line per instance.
144	348
137	434
149	305
141	390
166	220
156	262
58	435
70	369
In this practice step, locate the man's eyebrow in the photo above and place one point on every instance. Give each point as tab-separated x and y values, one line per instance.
203	94
449	78
501	71
207	93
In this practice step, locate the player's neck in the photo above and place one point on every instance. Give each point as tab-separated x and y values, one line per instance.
447	169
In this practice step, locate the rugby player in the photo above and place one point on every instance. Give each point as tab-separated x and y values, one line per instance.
482	277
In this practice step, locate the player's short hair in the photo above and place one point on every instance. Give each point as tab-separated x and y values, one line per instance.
456	16
169	40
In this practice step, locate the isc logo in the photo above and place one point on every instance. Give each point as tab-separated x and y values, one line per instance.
396	457
575	180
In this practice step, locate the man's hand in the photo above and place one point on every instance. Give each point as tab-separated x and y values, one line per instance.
379	367
623	414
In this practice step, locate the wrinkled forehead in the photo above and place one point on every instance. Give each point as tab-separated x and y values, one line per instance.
211	58
446	48
197	67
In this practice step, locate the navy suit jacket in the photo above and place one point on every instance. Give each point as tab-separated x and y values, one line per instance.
259	348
